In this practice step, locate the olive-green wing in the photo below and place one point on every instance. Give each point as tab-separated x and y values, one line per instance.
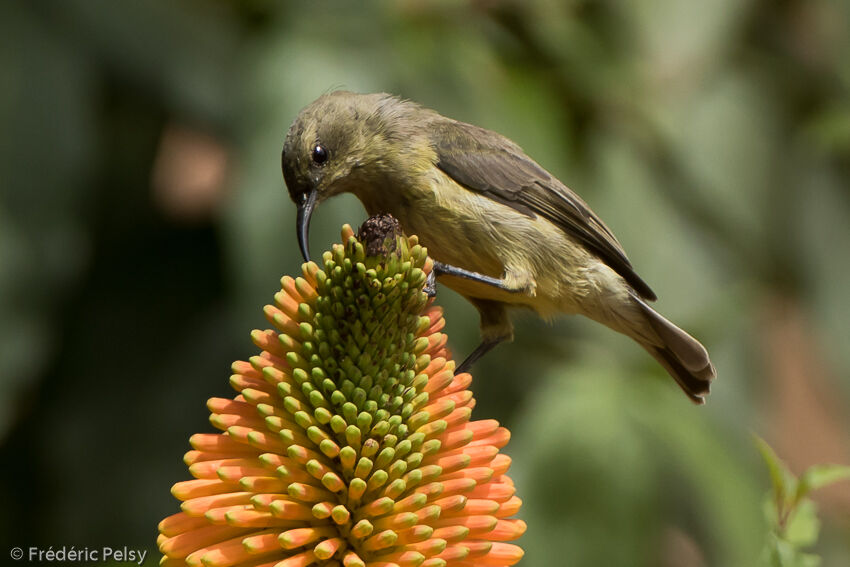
488	163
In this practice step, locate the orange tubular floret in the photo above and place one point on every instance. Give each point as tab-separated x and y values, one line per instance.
189	489
217	443
182	545
460	382
501	554
287	285
498	438
223	405
197	506
301	560
439	382
268	340
179	523
507	530
494	490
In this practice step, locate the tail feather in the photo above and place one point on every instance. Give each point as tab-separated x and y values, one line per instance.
679	353
696	385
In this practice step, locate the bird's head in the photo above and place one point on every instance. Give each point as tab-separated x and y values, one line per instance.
339	143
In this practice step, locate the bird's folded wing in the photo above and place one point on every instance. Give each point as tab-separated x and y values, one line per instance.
488	163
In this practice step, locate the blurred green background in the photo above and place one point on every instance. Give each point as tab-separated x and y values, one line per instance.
144	223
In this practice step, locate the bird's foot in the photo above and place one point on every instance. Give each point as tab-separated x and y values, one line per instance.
430	288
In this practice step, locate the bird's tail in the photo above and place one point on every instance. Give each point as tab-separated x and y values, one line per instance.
679	353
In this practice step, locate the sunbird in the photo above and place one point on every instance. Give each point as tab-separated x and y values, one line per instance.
503	231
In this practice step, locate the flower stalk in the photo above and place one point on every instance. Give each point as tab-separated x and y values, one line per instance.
350	442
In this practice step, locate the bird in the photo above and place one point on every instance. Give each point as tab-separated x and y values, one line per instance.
503	232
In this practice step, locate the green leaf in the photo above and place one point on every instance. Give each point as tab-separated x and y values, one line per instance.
803	525
781	553
818	476
784	481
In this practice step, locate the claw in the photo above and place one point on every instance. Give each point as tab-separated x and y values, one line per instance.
430	288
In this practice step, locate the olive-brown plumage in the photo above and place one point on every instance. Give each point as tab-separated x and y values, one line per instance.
505	231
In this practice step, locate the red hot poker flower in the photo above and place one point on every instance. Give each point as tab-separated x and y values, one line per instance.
350	443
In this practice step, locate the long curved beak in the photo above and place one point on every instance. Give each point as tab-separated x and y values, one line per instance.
302	223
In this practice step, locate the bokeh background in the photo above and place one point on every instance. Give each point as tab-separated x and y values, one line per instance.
144	223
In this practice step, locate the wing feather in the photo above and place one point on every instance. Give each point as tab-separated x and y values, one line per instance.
488	163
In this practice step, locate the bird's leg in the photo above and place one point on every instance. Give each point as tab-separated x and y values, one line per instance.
496	327
512	282
483	348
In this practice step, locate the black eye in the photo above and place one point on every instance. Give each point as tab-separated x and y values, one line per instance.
319	154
